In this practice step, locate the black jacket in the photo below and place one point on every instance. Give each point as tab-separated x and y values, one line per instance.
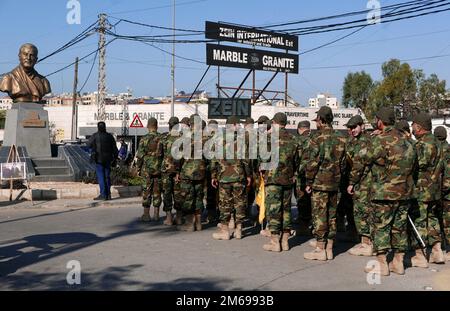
104	148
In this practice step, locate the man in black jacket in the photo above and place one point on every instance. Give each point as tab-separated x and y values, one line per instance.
104	153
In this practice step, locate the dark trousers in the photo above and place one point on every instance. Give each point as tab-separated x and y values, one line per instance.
104	178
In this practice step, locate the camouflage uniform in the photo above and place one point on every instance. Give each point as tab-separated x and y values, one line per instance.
391	159
303	198
231	173
428	189
446	192
211	192
149	159
169	169
323	174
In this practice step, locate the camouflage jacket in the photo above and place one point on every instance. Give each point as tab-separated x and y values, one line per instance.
446	175
391	159
230	168
354	149
284	171
193	168
303	155
150	154
169	164
428	177
327	160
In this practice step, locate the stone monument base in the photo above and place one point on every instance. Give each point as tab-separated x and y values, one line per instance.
27	126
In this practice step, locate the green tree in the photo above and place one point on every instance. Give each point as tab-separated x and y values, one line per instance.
356	90
432	94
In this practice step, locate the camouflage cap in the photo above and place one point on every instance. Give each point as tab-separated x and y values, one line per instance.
152	122
280	118
440	132
185	120
213	122
403	126
233	120
262	119
386	115
304	124
173	121
249	121
423	119
325	113
355	121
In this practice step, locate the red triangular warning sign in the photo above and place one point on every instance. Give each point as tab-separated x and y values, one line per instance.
136	122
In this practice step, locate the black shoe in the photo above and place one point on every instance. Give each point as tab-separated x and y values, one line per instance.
100	198
108	197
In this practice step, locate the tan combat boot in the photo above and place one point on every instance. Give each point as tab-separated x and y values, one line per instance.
156	214
274	244
419	260
285	241
365	248
146	216
318	254
179	218
265	232
447	256
169	219
222	233
437	255
238	231
396	265
329	249
198	220
231	223
189	225
383	268
312	243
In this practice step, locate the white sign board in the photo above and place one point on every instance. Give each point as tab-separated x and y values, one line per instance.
13	170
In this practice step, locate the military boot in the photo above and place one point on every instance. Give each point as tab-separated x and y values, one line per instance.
265	232
169	219
179	218
318	254
312	243
198	220
437	255
447	256
146	216
365	248
329	249
383	268
222	233
396	265
274	244
285	241
238	231
419	260
156	214
231	223
189	225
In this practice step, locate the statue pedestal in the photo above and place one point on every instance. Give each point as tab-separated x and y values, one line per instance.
27	126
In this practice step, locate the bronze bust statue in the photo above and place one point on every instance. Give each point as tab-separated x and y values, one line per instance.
23	83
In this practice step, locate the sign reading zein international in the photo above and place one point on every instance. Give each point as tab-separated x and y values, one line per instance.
222	108
251	36
230	56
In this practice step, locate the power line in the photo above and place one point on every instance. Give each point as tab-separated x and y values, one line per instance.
89	74
158	7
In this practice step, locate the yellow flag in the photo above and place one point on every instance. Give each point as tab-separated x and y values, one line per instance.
260	200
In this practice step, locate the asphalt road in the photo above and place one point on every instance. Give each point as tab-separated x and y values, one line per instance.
117	252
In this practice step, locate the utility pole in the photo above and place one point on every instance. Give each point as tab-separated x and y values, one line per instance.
172	107
74	103
101	89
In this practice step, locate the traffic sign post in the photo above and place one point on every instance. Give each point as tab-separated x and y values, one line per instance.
135	124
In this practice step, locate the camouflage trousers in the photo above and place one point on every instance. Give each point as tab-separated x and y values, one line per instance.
170	189
232	197
303	203
278	206
390	225
151	191
324	209
361	212
191	194
426	217
446	219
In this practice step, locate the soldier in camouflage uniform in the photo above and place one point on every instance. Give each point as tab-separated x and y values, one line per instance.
191	178
361	203
391	159
441	134
148	161
303	198
403	127
279	182
231	175
323	175
168	172
251	190
428	181
211	192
